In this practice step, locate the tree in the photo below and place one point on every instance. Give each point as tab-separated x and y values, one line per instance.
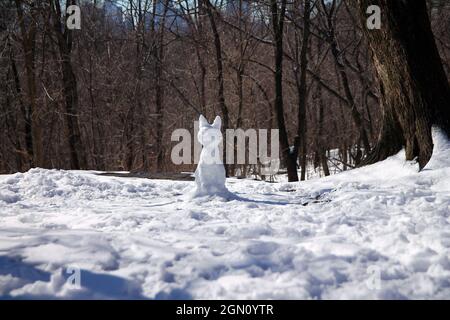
219	65
28	40
329	10
137	69
158	53
277	16
300	81
415	93
65	44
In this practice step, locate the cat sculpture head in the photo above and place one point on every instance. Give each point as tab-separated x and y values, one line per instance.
209	135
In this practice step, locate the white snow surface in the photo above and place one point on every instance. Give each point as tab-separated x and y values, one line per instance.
378	232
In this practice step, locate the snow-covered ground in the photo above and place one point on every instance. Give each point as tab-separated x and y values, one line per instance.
382	231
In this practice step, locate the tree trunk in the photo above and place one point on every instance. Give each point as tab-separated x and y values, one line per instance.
300	80
159	60
77	155
65	40
25	113
320	139
414	90
220	77
290	158
29	48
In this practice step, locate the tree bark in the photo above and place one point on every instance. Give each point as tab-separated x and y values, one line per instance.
415	93
290	158
159	61
220	77
320	139
29	48
300	80
25	113
65	41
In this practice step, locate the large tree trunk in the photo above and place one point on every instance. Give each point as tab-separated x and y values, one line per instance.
415	92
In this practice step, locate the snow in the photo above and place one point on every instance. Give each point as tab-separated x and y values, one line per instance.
378	232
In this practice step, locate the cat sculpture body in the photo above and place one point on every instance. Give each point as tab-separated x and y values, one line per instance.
210	172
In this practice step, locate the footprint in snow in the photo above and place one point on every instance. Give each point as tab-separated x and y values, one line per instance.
261	248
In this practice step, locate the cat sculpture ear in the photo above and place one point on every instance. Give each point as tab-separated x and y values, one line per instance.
217	123
202	121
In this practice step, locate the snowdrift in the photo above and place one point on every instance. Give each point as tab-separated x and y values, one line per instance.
382	231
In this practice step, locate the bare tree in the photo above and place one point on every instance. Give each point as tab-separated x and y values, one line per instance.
64	37
278	10
330	10
28	41
108	96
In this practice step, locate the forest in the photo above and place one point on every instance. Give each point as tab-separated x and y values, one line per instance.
99	198
108	95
